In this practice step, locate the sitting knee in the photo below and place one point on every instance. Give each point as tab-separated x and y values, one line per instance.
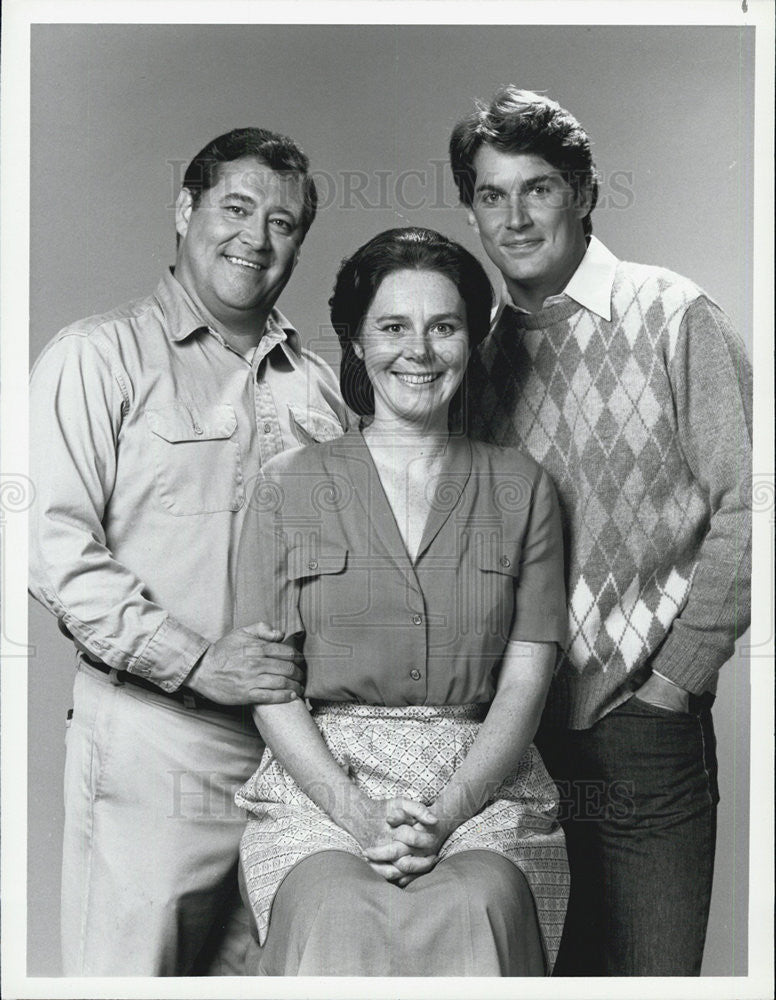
494	885
326	881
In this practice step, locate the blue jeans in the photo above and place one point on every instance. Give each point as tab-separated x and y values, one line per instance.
638	806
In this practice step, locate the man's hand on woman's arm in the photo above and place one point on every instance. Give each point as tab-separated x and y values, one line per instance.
249	666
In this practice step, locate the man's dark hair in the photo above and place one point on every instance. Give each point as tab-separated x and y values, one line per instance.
360	276
277	152
520	121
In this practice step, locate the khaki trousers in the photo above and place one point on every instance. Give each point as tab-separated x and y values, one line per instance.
151	834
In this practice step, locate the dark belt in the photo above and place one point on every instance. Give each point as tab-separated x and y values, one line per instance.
183	695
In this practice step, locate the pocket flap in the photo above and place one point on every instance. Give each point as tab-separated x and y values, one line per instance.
177	423
315	559
313	423
499	557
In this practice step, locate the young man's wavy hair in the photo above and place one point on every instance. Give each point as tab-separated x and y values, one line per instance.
520	121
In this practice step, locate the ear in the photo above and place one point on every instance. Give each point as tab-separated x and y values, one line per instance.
584	200
472	218
358	350
184	206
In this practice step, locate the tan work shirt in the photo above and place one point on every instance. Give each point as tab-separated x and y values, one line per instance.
147	434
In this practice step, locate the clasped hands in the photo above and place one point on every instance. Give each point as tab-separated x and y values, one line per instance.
400	837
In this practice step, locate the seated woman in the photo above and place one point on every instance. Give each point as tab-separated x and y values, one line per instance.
404	824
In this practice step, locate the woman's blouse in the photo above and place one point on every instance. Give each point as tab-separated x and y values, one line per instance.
322	558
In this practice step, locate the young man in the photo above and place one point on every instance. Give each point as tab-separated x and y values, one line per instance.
149	425
630	386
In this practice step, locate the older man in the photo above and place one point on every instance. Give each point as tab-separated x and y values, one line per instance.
149	424
630	386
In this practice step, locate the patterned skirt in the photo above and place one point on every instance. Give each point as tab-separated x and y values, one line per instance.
410	751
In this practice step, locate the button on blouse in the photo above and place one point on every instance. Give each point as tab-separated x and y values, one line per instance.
321	558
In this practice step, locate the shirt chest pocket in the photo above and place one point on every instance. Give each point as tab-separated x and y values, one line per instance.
196	457
318	571
496	580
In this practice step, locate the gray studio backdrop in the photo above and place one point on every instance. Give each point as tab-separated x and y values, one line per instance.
117	112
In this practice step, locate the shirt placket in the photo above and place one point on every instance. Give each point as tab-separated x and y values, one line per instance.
265	413
416	619
270	434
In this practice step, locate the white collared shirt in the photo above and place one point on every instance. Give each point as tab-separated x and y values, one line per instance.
590	285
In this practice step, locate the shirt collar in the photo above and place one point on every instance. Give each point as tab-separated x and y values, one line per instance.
183	319
590	285
278	331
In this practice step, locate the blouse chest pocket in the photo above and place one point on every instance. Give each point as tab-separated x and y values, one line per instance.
312	424
318	569
499	568
196	456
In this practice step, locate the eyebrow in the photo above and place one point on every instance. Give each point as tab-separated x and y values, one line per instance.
528	182
494	188
236	196
432	319
245	199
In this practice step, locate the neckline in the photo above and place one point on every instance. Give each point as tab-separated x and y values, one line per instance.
451	478
556	313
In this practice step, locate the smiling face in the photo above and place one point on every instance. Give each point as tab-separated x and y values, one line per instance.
530	222
239	244
414	343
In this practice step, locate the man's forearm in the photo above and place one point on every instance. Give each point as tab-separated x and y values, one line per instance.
117	625
711	380
77	407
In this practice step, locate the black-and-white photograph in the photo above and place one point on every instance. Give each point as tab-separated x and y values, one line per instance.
385	484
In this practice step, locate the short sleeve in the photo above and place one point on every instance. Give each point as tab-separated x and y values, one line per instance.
540	599
264	589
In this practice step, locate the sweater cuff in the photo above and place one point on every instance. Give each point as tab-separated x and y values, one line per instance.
656	673
690	665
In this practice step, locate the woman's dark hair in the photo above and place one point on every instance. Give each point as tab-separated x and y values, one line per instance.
360	276
520	121
275	151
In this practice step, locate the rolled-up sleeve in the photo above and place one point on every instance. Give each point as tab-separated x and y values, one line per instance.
540	599
78	397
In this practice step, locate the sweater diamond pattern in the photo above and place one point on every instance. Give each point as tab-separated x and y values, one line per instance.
591	400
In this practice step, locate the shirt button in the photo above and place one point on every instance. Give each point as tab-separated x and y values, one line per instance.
417	619
267	428
506	562
313	564
415	675
198	429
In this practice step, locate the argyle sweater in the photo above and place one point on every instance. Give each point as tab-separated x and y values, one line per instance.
644	424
